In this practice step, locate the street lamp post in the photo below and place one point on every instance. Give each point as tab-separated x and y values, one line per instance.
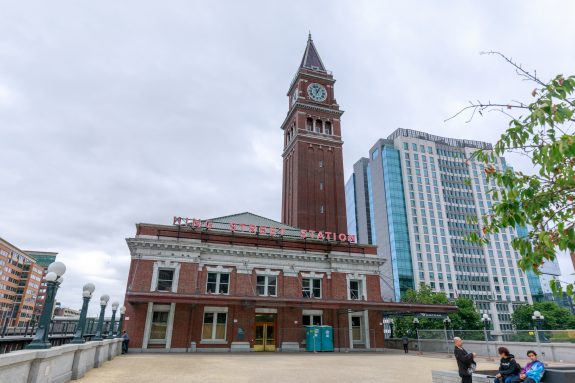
538	319
103	303
86	296
486	320
416	326
121	324
113	322
53	281
446	323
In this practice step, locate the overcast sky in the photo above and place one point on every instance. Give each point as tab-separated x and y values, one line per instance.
113	113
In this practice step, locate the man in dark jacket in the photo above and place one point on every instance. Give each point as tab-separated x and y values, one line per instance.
405	341
509	369
465	361
125	341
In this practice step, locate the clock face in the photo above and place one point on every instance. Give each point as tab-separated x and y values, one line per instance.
317	92
294	96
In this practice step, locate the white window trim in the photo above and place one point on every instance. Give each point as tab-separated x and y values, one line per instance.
218	276
165	265
312	274
268	272
215	310
171	308
365	324
311	279
309	315
357	277
266	292
219	269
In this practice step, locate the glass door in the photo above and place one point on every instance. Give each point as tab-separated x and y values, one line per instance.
265	339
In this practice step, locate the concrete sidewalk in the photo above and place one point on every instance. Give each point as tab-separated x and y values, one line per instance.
386	367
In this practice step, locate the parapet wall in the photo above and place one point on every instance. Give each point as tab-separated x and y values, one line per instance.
548	352
57	364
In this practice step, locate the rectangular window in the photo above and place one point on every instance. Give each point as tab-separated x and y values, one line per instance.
218	283
214	326
355	289
311	320
159	326
266	285
165	279
311	287
321	185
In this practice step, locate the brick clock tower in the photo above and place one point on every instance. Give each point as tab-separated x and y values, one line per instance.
313	183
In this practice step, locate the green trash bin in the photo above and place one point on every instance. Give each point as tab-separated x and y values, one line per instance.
312	338
326	335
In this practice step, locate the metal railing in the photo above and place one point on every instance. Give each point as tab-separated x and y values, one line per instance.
60	332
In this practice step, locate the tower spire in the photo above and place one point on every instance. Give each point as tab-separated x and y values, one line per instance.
311	59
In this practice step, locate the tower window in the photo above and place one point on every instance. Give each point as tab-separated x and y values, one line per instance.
321	185
309	124
321	209
321	163
327	129
319	126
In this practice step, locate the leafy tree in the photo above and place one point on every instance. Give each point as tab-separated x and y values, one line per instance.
544	202
556	317
467	317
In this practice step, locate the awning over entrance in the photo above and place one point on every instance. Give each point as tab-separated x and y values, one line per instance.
304	303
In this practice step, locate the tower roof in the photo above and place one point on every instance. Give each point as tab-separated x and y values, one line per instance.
311	59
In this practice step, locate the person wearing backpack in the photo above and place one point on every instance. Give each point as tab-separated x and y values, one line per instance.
465	361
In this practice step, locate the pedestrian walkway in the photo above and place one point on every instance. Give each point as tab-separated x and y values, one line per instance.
386	367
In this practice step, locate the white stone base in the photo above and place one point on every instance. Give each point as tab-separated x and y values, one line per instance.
241	347
290	347
57	364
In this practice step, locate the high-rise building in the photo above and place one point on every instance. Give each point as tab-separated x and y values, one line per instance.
43	259
413	198
20	279
313	180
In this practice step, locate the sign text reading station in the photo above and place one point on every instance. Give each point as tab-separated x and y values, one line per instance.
265	230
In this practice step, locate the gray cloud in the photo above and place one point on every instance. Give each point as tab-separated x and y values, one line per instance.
116	113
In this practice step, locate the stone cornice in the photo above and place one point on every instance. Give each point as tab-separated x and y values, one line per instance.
319	139
240	256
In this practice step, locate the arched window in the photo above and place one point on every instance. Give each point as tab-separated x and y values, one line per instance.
309	124
327	129
319	126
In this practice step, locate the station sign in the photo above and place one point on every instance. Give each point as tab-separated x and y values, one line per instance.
270	231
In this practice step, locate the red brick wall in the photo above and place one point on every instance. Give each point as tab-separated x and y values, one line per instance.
135	322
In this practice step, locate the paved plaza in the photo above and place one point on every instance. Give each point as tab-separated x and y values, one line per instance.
277	368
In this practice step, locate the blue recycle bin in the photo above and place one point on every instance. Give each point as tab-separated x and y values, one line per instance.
312	338
326	335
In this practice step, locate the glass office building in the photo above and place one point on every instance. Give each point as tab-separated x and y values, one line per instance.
414	196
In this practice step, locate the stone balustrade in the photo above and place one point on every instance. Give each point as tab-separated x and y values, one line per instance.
57	364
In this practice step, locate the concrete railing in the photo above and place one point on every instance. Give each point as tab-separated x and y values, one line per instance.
57	364
549	352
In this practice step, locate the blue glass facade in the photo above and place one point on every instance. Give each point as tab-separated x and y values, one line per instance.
397	221
532	278
350	206
371	212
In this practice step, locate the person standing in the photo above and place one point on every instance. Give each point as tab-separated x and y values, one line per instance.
405	341
533	371
125	341
465	361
